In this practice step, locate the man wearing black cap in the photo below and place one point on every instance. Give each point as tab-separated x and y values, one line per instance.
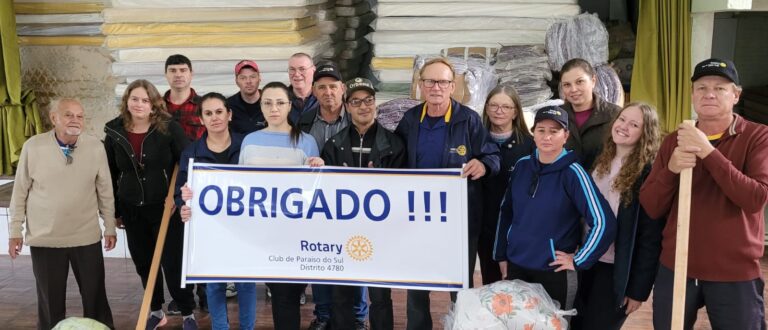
246	109
729	158
365	143
330	117
322	123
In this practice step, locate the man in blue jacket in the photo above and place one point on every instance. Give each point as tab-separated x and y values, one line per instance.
443	133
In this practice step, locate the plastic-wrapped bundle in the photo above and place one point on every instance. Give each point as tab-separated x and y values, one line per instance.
609	85
392	111
526	69
583	36
506	305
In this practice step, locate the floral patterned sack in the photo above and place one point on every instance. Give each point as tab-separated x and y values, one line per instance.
514	305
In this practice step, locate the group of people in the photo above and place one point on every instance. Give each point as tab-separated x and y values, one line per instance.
584	203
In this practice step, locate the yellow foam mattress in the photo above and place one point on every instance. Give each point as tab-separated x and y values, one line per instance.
385	63
208	27
213	39
61	40
42	8
190	15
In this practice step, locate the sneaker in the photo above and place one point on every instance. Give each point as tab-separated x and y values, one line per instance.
189	324
318	324
303	298
154	322
173	308
231	290
360	325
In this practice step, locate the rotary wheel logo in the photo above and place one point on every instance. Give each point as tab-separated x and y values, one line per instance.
359	248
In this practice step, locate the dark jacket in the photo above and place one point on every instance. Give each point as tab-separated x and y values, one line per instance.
587	141
464	129
637	248
246	117
542	211
199	151
388	149
494	186
145	183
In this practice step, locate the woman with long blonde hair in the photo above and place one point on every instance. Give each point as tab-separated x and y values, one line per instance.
623	277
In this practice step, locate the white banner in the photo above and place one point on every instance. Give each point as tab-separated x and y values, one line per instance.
331	225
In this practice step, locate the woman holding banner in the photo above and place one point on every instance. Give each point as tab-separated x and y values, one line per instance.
623	277
218	145
281	143
503	117
540	220
143	144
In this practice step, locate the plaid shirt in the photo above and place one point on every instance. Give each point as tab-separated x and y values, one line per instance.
185	115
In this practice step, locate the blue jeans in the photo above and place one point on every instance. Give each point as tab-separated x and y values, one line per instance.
217	305
322	296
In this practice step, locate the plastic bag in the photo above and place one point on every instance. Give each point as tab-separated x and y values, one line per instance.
583	36
506	305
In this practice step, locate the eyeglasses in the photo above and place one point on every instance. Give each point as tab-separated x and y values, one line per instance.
534	185
504	108
301	70
269	104
429	83
357	102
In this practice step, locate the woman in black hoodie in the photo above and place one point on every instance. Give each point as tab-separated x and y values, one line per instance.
503	117
143	145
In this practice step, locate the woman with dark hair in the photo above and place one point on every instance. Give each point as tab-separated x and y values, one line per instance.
143	144
549	196
589	114
623	277
218	145
281	143
503	117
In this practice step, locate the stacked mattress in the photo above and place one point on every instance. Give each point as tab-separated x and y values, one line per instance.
62	54
353	51
215	35
404	29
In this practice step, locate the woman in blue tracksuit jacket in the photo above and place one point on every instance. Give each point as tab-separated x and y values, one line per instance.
218	145
539	239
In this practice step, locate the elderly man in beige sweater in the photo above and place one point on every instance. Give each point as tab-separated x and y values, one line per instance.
62	185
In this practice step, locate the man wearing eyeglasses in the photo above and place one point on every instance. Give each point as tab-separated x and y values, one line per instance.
443	133
301	73
365	143
62	185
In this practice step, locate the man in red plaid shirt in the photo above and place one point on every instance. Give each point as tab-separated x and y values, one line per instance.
181	99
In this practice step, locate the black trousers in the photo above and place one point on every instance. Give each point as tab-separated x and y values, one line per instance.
730	305
142	225
561	286
286	314
418	303
379	313
596	302
489	268
51	269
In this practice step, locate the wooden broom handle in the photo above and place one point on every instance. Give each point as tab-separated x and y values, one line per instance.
150	288
681	246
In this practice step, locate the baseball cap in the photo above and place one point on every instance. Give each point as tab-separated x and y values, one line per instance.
554	113
357	84
327	70
244	64
716	67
